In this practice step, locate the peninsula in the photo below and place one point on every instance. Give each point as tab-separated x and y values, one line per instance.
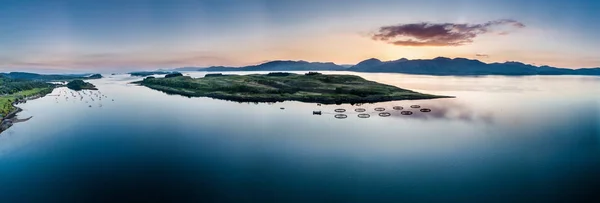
276	87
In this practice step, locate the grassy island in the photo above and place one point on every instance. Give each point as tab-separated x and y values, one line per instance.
276	87
80	85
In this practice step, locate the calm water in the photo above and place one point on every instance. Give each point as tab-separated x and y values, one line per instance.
503	139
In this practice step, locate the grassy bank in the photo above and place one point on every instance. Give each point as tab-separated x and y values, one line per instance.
6	100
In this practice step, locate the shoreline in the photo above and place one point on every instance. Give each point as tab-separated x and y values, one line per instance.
11	118
235	98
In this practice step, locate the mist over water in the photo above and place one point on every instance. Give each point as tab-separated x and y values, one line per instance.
502	139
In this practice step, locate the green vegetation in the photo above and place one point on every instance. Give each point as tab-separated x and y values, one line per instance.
12	90
80	85
274	87
170	75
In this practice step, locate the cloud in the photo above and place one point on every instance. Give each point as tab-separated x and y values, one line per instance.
482	55
441	34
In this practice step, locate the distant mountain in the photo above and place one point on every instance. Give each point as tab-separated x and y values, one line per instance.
436	66
53	77
148	73
462	66
281	66
187	69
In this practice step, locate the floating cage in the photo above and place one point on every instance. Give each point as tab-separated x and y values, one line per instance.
281	108
341	116
406	112
384	114
398	108
316	112
364	115
360	110
425	110
340	110
379	109
415	106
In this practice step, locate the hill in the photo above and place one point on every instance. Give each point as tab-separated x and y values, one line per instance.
281	66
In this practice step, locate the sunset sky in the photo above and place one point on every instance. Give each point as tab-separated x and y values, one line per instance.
119	35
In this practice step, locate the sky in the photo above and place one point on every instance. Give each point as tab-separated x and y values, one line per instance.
118	35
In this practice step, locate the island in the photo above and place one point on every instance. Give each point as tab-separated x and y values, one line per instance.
312	87
80	85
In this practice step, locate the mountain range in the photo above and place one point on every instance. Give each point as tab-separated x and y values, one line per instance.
436	66
52	77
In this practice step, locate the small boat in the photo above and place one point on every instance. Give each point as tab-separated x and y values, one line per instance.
316	112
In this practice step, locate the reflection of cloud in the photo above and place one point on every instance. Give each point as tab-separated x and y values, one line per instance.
439	34
447	109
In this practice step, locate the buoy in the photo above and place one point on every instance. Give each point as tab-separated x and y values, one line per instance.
364	115
341	116
384	114
425	110
340	110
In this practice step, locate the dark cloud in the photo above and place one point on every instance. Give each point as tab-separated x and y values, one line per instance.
441	34
482	55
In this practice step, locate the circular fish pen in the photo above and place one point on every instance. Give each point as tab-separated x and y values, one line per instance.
425	110
415	106
379	109
360	110
384	114
398	108
340	110
364	115
406	112
340	116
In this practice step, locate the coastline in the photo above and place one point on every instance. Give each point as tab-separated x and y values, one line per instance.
273	98
11	118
